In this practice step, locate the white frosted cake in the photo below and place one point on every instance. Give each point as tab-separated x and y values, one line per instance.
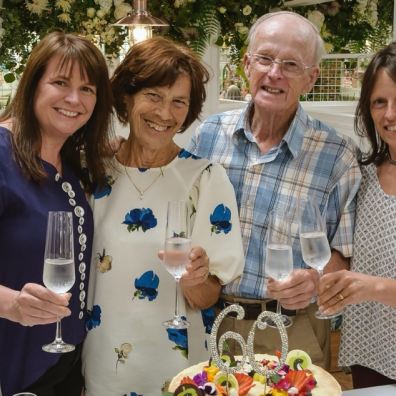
297	377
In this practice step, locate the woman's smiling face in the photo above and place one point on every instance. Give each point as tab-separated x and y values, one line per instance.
156	114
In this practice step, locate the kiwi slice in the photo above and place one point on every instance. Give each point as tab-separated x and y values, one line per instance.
226	358
298	360
224	380
188	390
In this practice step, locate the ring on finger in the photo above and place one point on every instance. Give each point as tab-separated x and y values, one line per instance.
340	297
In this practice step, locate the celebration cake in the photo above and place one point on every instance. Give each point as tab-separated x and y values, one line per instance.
286	374
298	376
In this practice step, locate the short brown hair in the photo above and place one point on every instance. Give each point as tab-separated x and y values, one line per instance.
93	136
158	62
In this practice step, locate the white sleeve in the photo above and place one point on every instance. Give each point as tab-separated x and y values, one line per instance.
216	226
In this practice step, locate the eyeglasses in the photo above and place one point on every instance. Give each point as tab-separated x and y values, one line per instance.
290	68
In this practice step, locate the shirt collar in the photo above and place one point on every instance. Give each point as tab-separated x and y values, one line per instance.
293	137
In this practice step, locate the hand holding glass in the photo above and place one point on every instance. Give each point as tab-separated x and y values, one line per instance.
177	251
315	247
59	275
279	257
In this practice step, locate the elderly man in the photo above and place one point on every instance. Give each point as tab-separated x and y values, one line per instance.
275	153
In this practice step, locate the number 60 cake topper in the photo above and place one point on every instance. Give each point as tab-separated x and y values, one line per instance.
216	350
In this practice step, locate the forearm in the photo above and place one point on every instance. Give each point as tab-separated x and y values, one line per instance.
337	262
384	291
203	295
7	303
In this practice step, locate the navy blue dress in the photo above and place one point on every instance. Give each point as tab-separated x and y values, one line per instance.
24	206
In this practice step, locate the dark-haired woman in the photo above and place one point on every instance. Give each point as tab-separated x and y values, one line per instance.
368	291
159	91
62	107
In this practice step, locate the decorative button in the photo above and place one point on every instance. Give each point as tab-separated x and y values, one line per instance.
82	295
72	202
82	277
57	177
83	247
80	256
82	239
71	194
82	286
79	229
81	220
82	305
81	315
66	187
79	211
82	267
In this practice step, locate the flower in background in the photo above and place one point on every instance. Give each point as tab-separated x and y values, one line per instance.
247	10
317	18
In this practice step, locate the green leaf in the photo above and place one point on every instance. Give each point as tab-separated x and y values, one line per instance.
9	77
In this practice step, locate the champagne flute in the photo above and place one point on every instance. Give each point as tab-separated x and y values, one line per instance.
279	257
177	250
315	247
59	274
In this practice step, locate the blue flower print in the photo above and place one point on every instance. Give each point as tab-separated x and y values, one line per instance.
146	286
137	218
179	337
208	318
220	219
142	169
186	154
93	317
105	190
132	394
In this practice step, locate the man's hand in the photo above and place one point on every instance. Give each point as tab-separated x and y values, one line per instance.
35	304
297	290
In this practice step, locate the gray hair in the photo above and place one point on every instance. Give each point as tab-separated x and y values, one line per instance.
319	50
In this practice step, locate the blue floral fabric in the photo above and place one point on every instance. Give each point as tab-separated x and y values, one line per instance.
127	348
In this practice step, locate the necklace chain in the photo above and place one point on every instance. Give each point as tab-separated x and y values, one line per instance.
390	160
140	191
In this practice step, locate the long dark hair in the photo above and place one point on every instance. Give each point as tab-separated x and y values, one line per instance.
92	138
364	124
159	62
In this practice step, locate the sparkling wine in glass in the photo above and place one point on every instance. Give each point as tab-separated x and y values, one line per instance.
58	273
177	250
279	257
315	247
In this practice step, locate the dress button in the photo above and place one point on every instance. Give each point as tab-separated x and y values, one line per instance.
81	315
79	211
82	239
66	187
81	220
82	267
82	295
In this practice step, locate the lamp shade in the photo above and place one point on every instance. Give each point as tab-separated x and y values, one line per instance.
140	16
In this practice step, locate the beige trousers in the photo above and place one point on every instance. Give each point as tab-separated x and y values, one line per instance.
307	333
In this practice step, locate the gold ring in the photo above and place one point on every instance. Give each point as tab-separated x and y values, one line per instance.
340	297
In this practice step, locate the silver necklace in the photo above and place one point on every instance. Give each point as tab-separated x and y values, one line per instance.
142	191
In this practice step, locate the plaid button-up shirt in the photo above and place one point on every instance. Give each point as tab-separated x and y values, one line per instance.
312	160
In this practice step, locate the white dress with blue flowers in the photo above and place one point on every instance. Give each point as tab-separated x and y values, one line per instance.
128	351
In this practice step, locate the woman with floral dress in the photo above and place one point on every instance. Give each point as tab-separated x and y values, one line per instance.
159	91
